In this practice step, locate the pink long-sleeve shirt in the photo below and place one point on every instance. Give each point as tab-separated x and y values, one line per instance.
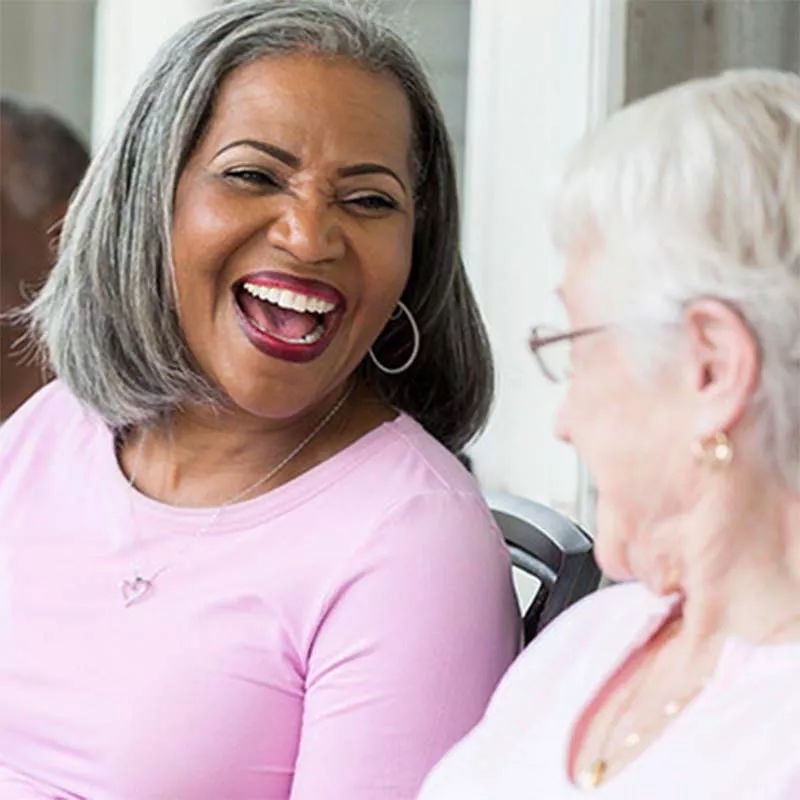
739	739
326	641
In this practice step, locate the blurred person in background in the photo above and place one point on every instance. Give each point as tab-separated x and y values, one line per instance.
238	556
41	164
679	220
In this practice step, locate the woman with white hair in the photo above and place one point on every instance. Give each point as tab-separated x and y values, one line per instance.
679	220
238	556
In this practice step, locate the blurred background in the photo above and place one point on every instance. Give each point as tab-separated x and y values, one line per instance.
519	80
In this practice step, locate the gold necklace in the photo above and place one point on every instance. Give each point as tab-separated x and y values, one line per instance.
595	773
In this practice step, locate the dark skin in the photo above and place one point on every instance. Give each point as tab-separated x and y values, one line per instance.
27	252
304	169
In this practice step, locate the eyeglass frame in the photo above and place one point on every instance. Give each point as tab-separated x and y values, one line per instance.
537	342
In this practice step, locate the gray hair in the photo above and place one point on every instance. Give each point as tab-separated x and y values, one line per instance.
50	159
106	318
695	192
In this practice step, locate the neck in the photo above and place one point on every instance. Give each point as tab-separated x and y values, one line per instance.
205	457
738	564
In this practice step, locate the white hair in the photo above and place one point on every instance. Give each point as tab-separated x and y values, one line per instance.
695	192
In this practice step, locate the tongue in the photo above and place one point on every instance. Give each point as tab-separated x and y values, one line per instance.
275	320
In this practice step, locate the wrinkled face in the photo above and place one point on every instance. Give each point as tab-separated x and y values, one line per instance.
293	226
628	428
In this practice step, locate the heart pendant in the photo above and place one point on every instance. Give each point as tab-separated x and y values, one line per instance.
133	590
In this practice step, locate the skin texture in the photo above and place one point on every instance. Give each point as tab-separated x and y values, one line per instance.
724	539
239	210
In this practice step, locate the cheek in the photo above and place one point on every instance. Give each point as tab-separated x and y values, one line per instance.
614	442
627	441
607	428
203	240
386	266
205	231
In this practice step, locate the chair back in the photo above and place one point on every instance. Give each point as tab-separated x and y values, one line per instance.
551	548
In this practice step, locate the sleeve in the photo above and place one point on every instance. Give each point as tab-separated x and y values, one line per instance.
409	652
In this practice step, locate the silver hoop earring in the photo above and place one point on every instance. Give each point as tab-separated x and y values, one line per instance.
414	351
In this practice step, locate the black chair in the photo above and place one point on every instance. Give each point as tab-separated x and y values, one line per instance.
550	547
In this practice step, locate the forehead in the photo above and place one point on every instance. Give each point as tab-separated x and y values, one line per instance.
314	105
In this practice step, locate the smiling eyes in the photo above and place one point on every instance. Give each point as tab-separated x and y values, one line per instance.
265	181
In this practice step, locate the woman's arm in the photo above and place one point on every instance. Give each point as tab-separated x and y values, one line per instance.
409	651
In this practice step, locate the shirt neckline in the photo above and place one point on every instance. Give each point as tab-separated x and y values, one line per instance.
242	515
735	654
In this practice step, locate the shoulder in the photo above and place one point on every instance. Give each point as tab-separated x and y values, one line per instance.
399	478
52	406
421	458
588	637
432	494
602	617
50	420
620	602
403	501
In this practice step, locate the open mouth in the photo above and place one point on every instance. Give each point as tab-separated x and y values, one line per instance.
286	317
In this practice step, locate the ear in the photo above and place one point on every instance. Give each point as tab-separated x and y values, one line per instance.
726	364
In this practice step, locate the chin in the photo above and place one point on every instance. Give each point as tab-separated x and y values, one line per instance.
259	399
266	406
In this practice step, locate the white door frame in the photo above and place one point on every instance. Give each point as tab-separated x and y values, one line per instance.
541	73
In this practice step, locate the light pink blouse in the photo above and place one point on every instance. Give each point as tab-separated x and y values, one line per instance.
738	740
329	640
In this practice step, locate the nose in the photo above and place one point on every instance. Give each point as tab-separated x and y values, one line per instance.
308	229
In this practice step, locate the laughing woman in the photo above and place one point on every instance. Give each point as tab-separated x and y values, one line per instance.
236	557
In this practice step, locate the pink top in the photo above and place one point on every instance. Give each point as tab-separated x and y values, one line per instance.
329	640
738	740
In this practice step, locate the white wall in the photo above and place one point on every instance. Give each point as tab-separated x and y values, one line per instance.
541	73
439	31
130	31
128	34
46	56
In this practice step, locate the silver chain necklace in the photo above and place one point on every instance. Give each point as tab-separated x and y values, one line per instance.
137	587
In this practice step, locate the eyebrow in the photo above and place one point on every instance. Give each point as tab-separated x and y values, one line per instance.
293	161
285	156
372	169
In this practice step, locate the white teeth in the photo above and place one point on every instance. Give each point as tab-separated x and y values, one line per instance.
315	335
300	303
295	301
286	299
273	294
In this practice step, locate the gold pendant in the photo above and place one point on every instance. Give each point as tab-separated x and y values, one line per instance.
592	776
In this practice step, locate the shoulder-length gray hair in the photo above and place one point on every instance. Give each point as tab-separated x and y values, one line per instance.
106	318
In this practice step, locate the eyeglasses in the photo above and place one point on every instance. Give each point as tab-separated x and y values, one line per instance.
552	349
